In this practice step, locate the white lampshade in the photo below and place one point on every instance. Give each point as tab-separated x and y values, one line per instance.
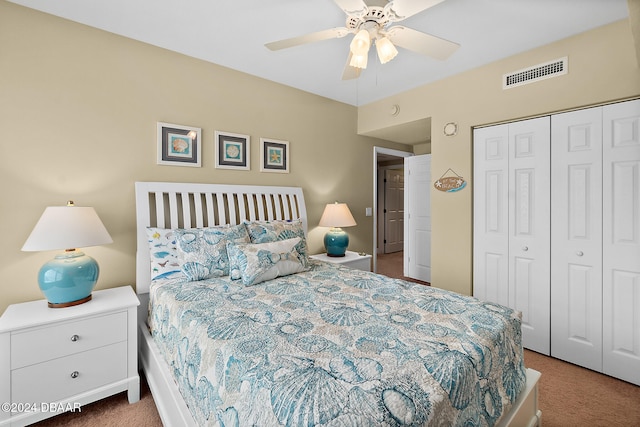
386	50
360	43
337	215
359	61
67	227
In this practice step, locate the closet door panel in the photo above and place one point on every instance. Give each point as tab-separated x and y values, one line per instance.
529	229
576	237
621	240
491	214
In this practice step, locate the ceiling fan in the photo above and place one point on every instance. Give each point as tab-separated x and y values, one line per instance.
375	24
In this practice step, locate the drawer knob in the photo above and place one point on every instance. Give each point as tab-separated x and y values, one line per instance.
75	374
579	253
525	248
74	338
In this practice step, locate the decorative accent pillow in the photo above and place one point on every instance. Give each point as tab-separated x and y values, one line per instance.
272	231
163	252
258	262
202	252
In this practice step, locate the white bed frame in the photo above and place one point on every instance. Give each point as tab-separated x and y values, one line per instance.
183	205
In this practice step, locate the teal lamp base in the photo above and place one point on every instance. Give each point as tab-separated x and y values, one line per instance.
68	279
336	242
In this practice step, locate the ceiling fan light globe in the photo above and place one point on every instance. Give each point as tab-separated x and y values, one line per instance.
386	50
360	43
359	61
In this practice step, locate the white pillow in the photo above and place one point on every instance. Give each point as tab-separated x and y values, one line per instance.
162	252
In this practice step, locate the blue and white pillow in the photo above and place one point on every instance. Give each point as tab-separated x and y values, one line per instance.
273	231
163	252
202	252
258	262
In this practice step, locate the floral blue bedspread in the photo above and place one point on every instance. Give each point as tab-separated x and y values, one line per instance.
334	346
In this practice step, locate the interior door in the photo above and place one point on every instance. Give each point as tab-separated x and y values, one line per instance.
621	240
491	214
511	259
393	210
529	229
576	237
417	242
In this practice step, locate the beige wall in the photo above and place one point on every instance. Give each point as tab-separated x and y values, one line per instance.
78	112
602	68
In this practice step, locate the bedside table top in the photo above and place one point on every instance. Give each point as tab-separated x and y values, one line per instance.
348	256
35	313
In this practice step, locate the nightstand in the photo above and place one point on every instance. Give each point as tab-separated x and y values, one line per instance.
54	360
350	259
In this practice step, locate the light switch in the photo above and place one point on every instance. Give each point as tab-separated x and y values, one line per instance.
368	211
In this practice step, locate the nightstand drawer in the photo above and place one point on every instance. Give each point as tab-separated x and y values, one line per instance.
65	377
50	342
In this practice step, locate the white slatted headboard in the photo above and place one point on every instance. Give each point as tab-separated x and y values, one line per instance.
183	205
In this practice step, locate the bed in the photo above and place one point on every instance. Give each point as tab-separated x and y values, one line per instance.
279	339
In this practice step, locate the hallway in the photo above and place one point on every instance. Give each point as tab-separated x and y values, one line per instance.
391	265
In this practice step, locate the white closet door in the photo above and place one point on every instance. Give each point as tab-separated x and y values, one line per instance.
512	223
576	237
621	237
491	214
529	229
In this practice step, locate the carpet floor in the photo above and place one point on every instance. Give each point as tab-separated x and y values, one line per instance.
569	395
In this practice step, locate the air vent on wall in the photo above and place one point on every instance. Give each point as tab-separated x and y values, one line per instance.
538	72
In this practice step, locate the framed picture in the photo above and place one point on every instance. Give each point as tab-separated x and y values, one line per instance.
179	145
274	155
232	150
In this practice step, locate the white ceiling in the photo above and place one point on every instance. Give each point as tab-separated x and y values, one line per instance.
232	33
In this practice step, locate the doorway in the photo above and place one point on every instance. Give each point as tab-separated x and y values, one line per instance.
391	226
384	159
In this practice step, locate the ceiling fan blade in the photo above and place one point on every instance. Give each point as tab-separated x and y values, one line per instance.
332	33
349	71
422	43
406	8
353	7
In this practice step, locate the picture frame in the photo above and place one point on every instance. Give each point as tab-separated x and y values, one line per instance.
179	145
232	150
274	155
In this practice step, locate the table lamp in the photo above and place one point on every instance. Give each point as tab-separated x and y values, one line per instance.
69	278
336	215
